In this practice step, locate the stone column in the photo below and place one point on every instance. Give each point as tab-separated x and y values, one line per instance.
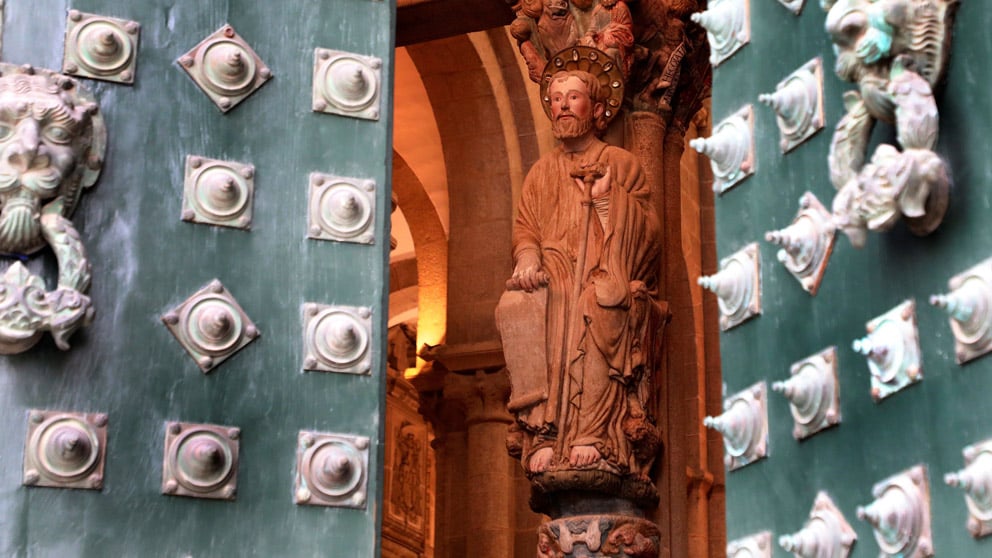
450	451
487	480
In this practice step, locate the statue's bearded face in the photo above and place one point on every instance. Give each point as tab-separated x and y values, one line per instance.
861	35
572	110
41	140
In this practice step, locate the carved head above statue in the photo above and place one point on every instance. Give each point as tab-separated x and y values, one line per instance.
52	142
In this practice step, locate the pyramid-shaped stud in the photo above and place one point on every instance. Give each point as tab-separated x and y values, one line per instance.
100	47
347	84
337	339
341	209
211	326
225	67
65	449
200	461
730	149
807	243
332	470
218	192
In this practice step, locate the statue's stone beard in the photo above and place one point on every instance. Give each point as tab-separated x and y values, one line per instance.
568	128
20	227
849	66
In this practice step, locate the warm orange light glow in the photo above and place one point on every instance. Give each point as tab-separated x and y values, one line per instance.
431	319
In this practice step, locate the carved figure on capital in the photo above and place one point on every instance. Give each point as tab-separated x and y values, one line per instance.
646	38
611	31
52	142
580	322
896	51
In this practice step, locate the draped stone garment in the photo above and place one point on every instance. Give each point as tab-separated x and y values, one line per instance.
596	381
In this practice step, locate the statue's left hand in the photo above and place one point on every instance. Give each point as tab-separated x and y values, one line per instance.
601	186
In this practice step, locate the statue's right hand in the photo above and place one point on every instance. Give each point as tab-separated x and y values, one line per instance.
527	276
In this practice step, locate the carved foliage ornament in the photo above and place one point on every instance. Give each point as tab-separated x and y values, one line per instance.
52	143
896	52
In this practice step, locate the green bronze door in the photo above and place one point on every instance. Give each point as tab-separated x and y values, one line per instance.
873	387
196	351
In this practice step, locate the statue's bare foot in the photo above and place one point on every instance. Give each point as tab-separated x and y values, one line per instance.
584	456
541	460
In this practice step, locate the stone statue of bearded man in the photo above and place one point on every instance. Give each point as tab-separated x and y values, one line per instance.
579	321
51	148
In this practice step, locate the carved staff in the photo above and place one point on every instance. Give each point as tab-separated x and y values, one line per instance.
588	174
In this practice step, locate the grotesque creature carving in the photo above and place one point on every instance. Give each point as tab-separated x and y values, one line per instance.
896	52
608	536
579	320
52	141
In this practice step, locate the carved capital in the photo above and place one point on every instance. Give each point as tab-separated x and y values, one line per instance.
483	395
652	42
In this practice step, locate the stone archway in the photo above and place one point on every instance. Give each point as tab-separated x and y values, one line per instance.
431	247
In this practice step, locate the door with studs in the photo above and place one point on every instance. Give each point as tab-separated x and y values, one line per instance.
856	280
193	227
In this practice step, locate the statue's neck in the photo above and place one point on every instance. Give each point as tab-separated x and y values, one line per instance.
579	144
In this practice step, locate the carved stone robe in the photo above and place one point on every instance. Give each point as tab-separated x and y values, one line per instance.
599	380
